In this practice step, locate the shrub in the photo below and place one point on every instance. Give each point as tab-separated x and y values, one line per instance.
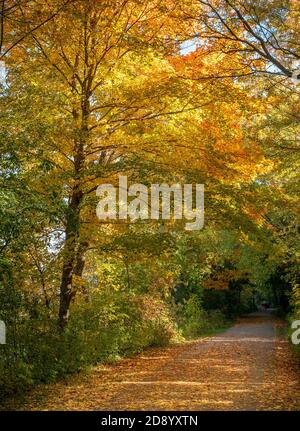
111	325
194	321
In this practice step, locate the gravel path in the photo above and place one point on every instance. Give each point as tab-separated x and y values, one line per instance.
248	367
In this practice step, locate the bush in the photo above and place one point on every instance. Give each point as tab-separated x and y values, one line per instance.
113	324
110	326
194	321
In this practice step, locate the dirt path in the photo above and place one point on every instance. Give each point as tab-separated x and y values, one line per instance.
248	367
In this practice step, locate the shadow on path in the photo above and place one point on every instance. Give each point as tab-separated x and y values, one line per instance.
248	367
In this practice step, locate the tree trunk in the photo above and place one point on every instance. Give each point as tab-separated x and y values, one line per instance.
69	258
75	248
73	260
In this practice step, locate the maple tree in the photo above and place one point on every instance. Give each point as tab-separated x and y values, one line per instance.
263	37
104	114
94	90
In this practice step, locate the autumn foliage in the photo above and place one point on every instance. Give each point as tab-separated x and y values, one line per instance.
189	92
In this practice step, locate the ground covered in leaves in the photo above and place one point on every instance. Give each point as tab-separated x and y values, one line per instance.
248	367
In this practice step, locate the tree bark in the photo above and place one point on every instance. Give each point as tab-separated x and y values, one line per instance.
75	247
69	259
73	260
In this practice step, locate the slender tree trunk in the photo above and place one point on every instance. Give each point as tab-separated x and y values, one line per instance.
80	259
79	267
69	260
75	248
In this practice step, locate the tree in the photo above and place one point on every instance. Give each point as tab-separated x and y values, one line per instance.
100	93
263	35
12	11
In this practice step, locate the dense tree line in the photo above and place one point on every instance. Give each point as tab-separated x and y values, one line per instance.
190	92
